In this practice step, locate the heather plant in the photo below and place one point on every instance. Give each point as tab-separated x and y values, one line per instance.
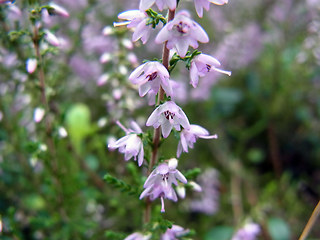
134	130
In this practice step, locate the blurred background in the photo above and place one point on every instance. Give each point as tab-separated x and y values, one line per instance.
263	168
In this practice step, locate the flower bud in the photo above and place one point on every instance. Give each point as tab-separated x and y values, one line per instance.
31	65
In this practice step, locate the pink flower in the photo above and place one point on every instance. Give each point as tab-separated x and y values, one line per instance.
51	38
201	65
136	20
31	65
248	232
131	144
168	115
181	32
58	10
200	4
150	76
189	136
137	236
174	233
162	4
159	183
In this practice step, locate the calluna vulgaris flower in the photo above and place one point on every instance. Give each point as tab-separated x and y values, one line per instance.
31	65
162	4
138	236
168	115
205	4
201	65
248	232
58	10
181	32
174	233
159	183
150	76
131	144
136	20
189	136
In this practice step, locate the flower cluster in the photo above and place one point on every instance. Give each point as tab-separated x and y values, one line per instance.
152	78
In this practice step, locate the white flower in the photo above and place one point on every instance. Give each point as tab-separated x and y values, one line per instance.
201	65
136	20
181	32
159	183
168	115
130	145
150	76
189	136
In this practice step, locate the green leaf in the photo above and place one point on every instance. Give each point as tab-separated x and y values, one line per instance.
121	185
192	173
278	229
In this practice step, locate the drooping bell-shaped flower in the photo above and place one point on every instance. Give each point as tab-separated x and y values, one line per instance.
205	4
159	183
174	233
136	20
201	65
168	115
181	33
161	4
150	76
130	145
189	136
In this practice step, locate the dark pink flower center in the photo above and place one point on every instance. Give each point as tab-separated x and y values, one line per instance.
168	114
182	27
152	76
165	176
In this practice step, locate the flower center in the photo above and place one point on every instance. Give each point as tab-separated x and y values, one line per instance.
208	67
168	115
182	28
152	76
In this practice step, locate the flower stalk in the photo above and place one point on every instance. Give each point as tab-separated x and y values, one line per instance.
157	131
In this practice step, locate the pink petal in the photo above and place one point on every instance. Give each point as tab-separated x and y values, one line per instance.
144	88
180	177
166	129
194	78
136	73
140	30
182	47
131	14
146	4
199	33
154	117
219	2
163	35
141	155
199	8
172	4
